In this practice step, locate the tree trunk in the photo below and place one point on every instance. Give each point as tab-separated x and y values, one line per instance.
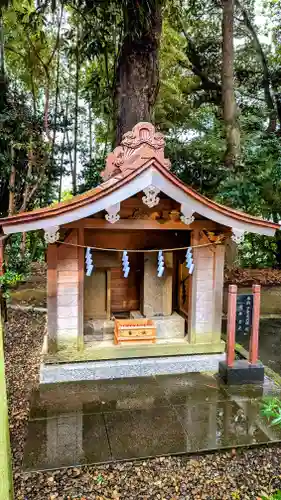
90	132
56	109
228	98
2	45
137	73
12	184
74	171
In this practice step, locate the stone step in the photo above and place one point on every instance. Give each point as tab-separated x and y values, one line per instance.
124	368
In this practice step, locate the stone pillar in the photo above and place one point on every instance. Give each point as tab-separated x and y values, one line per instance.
52	290
157	292
218	284
205	308
65	294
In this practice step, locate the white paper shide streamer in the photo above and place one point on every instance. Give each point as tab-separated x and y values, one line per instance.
161	264
89	262
125	262
189	260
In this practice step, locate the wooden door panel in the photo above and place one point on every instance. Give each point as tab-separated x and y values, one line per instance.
125	292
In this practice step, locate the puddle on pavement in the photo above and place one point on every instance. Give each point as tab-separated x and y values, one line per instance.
100	421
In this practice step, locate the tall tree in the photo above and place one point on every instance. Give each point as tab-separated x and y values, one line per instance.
137	74
228	96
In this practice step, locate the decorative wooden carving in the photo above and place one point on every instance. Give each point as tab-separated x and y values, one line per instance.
141	214
187	219
141	142
187	216
151	199
52	234
174	215
214	237
238	235
112	215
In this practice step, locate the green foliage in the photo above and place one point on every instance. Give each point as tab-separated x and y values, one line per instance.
197	154
257	251
172	107
16	261
19	261
90	175
9	279
255	185
274	496
271	409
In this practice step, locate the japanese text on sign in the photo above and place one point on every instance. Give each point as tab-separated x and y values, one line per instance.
244	314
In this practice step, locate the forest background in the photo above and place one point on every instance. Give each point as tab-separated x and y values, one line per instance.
76	74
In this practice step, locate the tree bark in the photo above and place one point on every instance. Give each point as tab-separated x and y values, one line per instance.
74	171
228	96
137	73
90	132
12	185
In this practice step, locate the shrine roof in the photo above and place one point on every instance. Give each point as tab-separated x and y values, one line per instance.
134	166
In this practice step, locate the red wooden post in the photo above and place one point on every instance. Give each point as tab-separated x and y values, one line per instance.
231	324
254	341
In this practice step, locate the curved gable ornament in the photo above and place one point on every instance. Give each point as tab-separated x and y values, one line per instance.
112	214
187	216
238	235
151	199
52	234
142	137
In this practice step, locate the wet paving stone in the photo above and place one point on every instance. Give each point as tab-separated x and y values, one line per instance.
100	421
145	433
67	440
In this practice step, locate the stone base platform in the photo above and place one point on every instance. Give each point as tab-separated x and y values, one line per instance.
124	368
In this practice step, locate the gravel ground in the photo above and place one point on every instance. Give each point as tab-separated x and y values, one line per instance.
239	475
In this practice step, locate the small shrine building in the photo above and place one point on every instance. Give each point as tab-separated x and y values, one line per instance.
140	246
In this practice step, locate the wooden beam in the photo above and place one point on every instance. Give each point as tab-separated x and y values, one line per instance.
144	224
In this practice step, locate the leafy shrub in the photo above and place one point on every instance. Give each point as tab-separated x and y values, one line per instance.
271	409
274	496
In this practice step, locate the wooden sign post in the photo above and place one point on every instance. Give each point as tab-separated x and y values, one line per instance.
254	341
242	371
231	323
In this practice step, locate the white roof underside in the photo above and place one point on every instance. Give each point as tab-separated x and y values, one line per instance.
149	177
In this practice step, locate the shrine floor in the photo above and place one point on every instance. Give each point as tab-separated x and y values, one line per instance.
100	421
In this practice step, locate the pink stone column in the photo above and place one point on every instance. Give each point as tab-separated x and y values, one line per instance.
231	324
254	341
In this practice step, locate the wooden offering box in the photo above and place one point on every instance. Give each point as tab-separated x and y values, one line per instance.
134	330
